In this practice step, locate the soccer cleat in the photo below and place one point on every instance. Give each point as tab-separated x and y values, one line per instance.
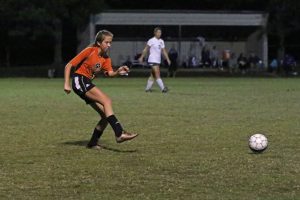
148	90
95	147
165	90
125	136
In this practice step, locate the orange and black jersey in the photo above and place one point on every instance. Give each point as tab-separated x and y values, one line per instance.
88	59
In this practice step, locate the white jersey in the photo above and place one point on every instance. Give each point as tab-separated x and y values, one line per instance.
156	45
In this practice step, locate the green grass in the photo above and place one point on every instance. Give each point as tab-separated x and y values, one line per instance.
192	143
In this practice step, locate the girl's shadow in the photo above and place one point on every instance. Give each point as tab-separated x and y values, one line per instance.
105	147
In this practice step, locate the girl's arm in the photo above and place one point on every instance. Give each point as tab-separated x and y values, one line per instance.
67	86
166	56
74	62
144	52
123	70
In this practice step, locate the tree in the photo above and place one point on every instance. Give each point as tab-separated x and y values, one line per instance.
33	17
284	19
76	11
18	18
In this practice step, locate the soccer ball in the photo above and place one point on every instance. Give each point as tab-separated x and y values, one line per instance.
258	143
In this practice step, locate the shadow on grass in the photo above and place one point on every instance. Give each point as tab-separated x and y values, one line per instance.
85	142
256	153
77	143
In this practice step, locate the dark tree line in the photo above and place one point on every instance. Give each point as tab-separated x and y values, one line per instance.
284	21
32	18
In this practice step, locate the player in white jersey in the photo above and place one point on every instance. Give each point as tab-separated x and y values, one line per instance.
156	46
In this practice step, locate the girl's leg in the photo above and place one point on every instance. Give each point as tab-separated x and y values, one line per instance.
98	96
100	127
156	74
149	83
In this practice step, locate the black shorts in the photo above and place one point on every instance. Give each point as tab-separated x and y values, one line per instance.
151	64
80	85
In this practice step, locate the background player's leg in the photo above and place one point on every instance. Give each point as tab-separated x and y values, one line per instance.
100	127
160	83
149	83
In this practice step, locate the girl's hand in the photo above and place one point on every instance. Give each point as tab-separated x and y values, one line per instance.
140	60
123	70
169	62
67	88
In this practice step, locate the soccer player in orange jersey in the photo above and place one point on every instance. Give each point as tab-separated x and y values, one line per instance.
88	63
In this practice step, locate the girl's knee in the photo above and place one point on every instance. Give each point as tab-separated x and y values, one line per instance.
107	102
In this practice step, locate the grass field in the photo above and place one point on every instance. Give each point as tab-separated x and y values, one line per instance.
192	143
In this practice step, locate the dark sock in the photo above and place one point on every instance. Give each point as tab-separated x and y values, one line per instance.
95	137
116	126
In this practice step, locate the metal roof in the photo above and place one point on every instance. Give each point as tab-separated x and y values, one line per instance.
184	17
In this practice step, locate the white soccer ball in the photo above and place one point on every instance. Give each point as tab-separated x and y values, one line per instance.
258	143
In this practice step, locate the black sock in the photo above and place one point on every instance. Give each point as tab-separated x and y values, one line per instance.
95	137
116	126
